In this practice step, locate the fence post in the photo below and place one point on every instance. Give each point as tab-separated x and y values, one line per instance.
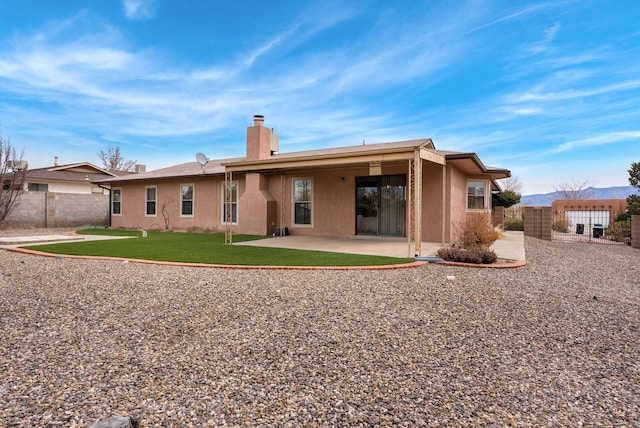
537	222
546	223
635	231
530	222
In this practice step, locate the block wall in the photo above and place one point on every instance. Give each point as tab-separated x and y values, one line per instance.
537	222
45	209
497	215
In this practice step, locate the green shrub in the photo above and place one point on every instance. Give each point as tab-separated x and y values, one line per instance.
477	255
619	231
513	224
623	217
478	231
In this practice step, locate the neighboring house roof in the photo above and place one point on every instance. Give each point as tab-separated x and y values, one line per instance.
76	172
188	169
469	162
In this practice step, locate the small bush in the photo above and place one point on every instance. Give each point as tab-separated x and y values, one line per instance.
561	224
619	231
513	224
478	231
477	255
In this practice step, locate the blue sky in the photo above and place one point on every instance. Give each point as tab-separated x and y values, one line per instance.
548	89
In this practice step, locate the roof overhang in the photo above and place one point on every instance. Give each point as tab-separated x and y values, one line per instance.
470	164
339	159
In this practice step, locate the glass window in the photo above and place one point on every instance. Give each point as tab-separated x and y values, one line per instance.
38	187
234	203
186	197
476	195
302	201
116	201
150	195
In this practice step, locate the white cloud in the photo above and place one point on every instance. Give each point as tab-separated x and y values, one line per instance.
599	140
571	93
526	111
551	33
138	9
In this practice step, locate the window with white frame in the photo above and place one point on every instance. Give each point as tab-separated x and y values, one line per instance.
302	201
186	200
476	195
150	200
234	203
116	201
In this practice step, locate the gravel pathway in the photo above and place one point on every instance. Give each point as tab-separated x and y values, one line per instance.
555	343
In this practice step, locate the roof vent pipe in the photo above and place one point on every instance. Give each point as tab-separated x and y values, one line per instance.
55	161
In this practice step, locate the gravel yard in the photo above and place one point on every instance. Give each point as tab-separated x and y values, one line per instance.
554	343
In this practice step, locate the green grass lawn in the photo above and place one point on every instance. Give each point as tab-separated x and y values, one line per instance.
205	248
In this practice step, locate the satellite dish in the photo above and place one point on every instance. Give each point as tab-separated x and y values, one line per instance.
202	159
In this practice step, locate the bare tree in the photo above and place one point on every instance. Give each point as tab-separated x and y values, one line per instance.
574	190
12	173
511	184
113	160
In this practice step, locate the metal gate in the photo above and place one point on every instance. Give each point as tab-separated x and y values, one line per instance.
595	226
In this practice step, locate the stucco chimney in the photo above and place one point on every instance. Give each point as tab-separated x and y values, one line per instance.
258	139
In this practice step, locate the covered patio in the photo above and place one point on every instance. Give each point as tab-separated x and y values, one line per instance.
510	247
369	245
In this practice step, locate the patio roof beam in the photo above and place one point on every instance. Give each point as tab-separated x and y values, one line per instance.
272	164
433	157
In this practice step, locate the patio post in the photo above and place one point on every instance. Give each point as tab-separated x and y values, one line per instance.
228	182
417	201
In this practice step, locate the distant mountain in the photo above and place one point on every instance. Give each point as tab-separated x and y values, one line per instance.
545	199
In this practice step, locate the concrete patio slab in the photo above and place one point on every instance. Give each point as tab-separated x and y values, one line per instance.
511	247
18	241
28	240
375	246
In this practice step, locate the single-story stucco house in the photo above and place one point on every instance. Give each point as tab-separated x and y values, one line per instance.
405	188
61	195
69	178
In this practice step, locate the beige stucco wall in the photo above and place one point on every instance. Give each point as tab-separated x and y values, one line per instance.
333	201
456	202
207	205
432	205
261	203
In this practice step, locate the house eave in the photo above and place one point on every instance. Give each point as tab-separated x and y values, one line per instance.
460	158
330	159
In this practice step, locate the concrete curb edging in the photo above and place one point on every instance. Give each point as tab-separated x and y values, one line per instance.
509	265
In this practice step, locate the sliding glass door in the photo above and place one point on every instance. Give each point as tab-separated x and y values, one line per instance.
381	205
